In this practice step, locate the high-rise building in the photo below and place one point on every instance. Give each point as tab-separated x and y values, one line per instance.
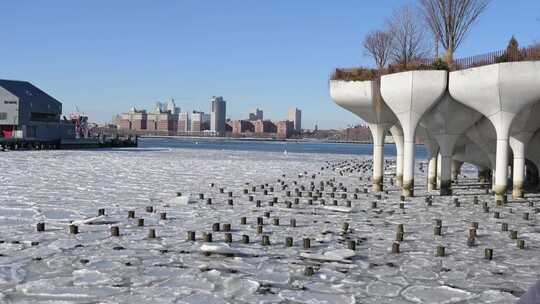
265	126
183	122
171	107
295	115
256	114
285	128
197	121
217	121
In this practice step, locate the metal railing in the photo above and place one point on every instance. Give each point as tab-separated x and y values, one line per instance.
523	54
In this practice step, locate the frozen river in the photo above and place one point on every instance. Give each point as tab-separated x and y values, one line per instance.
59	187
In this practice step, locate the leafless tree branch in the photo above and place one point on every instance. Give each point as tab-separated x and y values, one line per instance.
408	36
378	45
451	20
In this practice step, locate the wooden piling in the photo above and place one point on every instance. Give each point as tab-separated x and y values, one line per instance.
488	254
288	241
151	233
228	237
73	229
190	236
207	237
131	214
40	227
265	240
351	244
306	243
395	247
101	212
140	222
115	231
149	209
293	222
215	227
440	251
163	215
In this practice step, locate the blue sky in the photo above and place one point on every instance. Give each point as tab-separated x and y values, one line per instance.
105	56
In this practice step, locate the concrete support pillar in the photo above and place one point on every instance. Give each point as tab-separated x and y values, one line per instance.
446	148
377	132
456	169
501	168
408	166
397	134
409	95
439	165
518	143
432	173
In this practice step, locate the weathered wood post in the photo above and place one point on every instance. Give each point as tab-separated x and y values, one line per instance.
40	227
115	231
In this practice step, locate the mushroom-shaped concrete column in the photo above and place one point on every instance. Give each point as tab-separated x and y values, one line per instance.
432	150
410	95
397	134
363	98
525	125
500	92
447	121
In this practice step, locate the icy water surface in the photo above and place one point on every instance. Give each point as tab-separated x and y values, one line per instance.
57	187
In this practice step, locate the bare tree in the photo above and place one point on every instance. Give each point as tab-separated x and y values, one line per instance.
451	20
378	45
408	36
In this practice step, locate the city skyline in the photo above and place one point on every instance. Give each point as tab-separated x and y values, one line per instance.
143	51
253	113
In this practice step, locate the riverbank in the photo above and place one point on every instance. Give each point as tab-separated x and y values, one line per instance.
255	139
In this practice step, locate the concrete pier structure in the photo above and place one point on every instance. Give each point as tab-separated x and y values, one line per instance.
409	95
363	98
488	116
498	91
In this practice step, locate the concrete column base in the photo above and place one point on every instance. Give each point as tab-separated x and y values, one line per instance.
408	188
446	188
500	192
432	184
517	191
399	180
377	184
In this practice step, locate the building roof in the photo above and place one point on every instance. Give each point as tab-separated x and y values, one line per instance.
24	90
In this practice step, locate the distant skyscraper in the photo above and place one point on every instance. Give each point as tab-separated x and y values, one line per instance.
295	115
256	114
217	121
196	121
171	106
183	122
160	107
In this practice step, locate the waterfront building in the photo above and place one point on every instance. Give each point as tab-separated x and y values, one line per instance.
265	126
295	115
242	126
162	122
27	112
197	121
183	122
217	120
285	128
